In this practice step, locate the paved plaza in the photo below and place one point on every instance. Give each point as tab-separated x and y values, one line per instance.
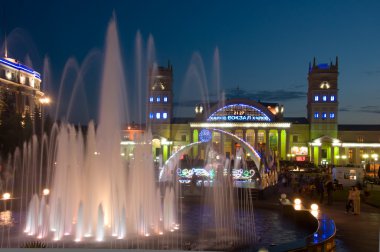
354	232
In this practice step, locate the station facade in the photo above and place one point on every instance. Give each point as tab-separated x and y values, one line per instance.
316	138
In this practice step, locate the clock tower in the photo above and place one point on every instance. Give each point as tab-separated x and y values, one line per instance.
160	98
322	99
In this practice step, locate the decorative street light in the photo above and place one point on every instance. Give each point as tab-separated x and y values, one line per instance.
45	100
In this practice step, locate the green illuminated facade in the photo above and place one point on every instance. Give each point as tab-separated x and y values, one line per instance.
317	138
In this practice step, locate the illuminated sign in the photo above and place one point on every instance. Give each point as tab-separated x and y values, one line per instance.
242	174
302	150
238	118
239	113
205	135
301	158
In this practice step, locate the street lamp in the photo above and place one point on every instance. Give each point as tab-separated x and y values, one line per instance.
45	100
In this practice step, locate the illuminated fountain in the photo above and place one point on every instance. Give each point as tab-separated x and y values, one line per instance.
91	195
95	193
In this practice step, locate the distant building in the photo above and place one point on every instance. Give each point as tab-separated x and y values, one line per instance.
22	84
316	138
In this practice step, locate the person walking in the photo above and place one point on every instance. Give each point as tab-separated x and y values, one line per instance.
350	200
356	199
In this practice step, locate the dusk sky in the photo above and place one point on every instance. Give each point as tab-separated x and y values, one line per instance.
264	46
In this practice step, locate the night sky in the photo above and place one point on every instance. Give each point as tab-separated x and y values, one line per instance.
264	47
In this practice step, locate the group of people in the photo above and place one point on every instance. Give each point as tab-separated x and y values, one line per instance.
318	187
353	201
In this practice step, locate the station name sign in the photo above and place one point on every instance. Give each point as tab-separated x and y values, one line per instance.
239	118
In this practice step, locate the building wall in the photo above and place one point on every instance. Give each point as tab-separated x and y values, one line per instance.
359	136
21	82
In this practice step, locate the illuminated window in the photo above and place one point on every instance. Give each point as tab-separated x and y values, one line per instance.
332	115
325	85
332	98
324	98
164	115
316	98
158	115
316	115
151	99
158	99
324	115
151	115
165	99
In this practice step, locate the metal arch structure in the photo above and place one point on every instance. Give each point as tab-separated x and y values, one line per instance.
169	163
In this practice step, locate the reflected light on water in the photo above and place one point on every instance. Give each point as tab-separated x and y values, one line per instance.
6	218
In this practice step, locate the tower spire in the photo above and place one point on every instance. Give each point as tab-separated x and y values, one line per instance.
314	62
336	61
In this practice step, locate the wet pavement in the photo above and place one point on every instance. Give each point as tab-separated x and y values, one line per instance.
353	232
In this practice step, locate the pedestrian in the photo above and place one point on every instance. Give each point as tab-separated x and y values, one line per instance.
356	199
350	200
284	181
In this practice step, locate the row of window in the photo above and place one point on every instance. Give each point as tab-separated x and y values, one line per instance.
158	99
158	115
324	98
323	115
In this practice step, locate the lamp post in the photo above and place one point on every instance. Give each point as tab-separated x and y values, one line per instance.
44	101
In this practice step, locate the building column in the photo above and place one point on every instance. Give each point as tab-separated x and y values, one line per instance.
311	151
222	144
255	142
279	144
233	145
357	156
244	134
287	142
267	142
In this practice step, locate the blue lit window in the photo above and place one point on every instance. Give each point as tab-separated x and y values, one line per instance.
332	115
316	115
324	98
151	99
158	115
324	115
151	115
158	99
164	115
332	98
165	99
316	98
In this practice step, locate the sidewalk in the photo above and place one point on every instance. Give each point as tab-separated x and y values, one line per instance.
354	232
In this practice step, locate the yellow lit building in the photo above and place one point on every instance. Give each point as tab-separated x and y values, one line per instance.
316	138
